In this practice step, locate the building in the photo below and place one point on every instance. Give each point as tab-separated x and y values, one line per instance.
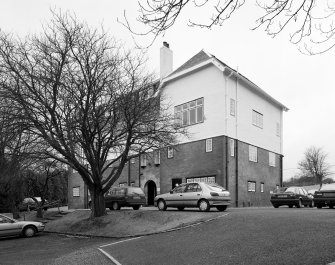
235	128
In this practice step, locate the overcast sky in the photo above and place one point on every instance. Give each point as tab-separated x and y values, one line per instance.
305	84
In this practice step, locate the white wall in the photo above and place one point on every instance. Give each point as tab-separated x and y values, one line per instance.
216	89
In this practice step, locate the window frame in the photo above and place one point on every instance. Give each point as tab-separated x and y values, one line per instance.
253	153
183	112
76	191
272	159
251	186
232	107
262	187
170	152
257	119
232	147
209	145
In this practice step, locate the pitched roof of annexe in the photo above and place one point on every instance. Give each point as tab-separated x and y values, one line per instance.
202	59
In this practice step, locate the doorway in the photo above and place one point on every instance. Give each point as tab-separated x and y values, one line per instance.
151	192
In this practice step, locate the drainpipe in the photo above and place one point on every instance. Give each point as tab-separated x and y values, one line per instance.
236	141
139	170
129	172
227	161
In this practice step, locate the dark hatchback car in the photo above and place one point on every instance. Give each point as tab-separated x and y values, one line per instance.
125	196
292	196
325	196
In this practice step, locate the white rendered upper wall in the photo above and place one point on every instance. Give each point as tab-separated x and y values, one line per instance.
217	89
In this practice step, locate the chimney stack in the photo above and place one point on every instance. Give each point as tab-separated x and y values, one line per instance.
166	60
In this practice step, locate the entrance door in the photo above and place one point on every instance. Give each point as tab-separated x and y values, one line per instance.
151	192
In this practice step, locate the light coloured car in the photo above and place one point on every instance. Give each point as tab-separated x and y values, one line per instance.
195	194
10	227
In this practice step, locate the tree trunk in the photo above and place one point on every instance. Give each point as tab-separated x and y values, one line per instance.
39	212
98	206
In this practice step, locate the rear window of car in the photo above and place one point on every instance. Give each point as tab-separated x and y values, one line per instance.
117	191
136	191
328	187
215	187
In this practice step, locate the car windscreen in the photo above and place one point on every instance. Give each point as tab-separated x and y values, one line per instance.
136	191
290	189
328	187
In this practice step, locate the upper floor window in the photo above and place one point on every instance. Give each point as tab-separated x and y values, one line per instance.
209	145
272	159
252	153
169	152
232	147
257	119
190	113
143	160
157	157
232	107
278	129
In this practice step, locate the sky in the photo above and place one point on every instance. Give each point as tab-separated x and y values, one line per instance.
305	84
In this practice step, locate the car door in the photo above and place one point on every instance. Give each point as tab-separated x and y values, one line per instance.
175	198
192	194
9	227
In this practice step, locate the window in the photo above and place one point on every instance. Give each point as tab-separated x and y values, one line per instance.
132	160
232	107
193	187
170	152
232	147
157	157
278	129
210	179
190	113
252	186
272	159
76	191
252	153
143	160
209	145
257	119
262	187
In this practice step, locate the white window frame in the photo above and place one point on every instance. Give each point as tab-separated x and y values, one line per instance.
76	191
251	186
157	157
262	187
143	160
183	112
278	129
257	119
232	147
272	159
209	145
170	152
253	156
210	179
232	107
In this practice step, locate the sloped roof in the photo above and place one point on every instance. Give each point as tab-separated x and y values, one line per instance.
195	60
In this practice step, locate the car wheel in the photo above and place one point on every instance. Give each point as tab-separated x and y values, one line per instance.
221	208
290	206
204	206
181	208
136	207
318	206
331	206
115	206
161	205
29	231
312	204
299	205
276	206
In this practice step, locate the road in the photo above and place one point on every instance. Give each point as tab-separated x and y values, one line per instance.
244	236
241	236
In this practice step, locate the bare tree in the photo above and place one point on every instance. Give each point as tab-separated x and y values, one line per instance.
315	165
92	103
309	21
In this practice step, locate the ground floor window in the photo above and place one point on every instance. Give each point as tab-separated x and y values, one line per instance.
252	186
262	187
209	179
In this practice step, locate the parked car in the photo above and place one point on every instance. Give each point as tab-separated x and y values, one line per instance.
291	196
126	196
195	194
11	227
29	203
325	196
